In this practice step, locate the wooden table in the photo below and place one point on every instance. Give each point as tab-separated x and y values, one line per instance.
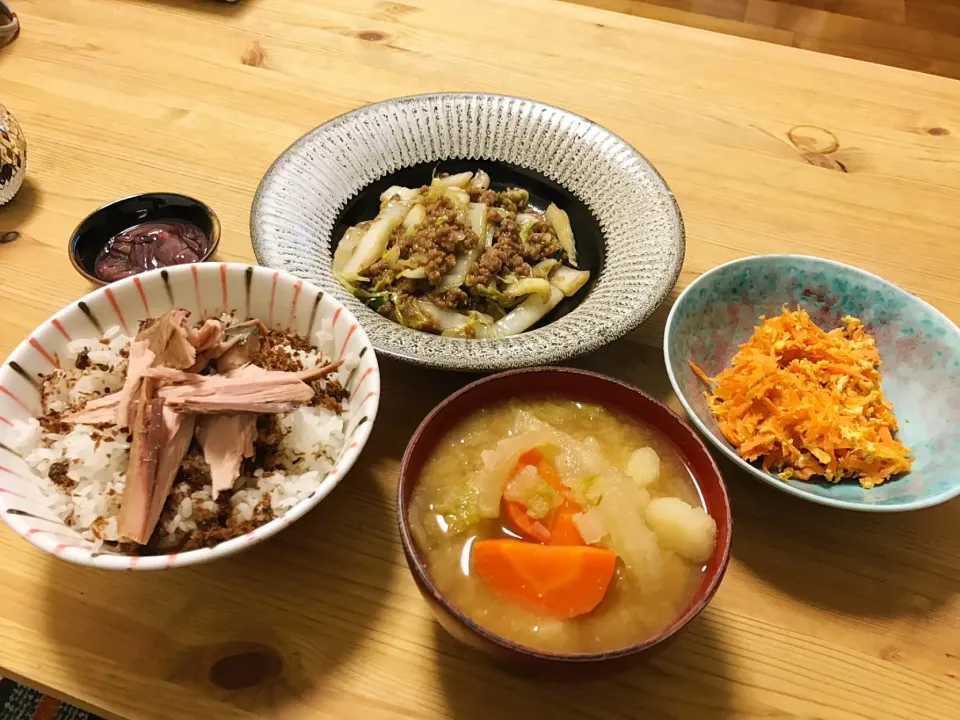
823	613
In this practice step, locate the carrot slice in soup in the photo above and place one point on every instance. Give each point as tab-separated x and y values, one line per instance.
524	524
560	581
563	530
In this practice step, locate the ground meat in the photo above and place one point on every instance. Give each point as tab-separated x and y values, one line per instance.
266	447
273	353
83	360
450	299
487	197
542	243
406	285
211	535
506	252
194	471
58	475
329	393
433	245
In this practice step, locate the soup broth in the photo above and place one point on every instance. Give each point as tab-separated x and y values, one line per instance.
591	455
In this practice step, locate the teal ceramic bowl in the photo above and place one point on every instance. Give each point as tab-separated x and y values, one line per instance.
919	349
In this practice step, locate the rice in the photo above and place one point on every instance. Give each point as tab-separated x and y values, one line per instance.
82	468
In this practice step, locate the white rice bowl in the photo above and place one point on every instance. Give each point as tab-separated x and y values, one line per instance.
318	446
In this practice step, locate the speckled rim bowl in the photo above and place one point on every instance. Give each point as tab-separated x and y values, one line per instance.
641	239
588	387
279	299
919	348
97	228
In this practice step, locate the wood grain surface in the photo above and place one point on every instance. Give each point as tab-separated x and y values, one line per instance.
919	35
823	613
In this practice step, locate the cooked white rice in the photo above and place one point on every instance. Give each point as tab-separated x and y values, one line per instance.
97	457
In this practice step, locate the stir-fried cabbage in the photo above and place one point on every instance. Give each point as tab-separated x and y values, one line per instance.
527	314
561	224
374	241
568	280
437	261
529	286
460	180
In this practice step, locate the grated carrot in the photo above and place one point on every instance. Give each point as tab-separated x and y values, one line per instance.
808	402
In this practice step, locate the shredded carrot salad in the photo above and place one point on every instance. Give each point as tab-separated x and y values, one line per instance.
808	402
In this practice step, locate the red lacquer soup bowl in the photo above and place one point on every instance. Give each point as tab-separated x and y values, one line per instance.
586	387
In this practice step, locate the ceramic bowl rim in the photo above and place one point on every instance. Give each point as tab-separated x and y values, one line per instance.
418	569
214	238
729	451
233	546
588	342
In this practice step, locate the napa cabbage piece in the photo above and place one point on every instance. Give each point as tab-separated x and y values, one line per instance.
568	280
527	313
459	506
543	268
533	492
460	180
346	247
492	293
374	241
404	194
477	325
480	181
561	226
417	214
419	273
528	286
499	464
620	508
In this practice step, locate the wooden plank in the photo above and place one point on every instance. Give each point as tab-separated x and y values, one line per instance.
823	613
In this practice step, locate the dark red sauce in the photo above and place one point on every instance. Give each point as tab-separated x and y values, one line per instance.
148	246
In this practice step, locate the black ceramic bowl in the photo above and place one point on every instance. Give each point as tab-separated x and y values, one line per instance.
96	230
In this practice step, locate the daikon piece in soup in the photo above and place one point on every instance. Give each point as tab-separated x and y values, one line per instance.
561	525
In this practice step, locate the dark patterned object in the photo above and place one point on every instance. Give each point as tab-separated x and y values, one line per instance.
20	703
9	24
13	156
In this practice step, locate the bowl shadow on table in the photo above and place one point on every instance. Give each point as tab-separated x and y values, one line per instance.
854	563
24	205
690	678
215	632
213	7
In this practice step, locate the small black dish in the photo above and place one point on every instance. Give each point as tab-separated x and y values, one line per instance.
590	248
100	226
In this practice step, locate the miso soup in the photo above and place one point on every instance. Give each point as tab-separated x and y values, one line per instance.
561	525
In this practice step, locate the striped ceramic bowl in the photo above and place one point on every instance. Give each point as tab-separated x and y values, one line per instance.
278	299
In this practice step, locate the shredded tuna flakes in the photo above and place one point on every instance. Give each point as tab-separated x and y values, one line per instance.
808	402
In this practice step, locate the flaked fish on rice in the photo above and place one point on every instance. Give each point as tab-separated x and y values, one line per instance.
189	433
